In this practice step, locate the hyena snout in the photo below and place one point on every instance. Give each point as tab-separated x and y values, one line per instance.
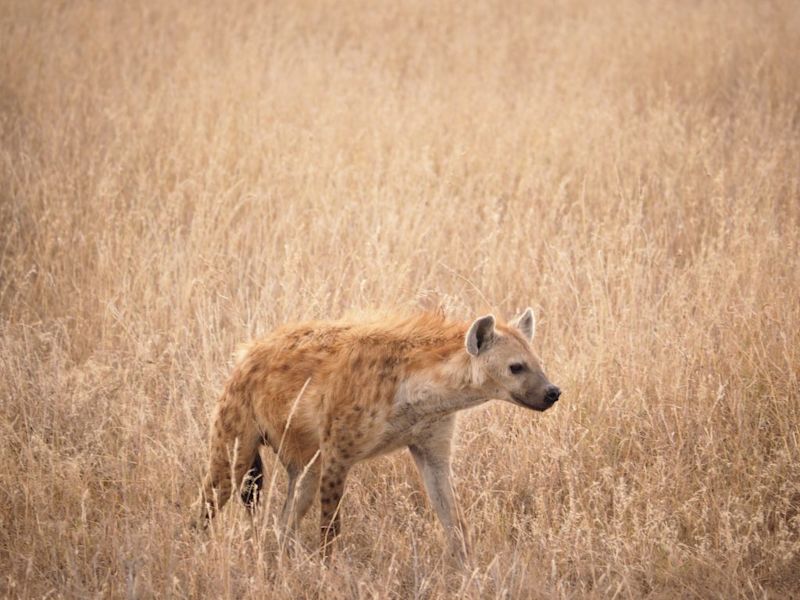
551	394
540	397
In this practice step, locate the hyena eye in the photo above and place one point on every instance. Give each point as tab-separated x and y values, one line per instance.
516	368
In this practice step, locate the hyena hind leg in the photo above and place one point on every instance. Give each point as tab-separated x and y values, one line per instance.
303	486
331	489
253	483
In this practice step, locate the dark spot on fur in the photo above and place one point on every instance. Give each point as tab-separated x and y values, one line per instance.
387	370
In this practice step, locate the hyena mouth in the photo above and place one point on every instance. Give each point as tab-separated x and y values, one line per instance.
539	407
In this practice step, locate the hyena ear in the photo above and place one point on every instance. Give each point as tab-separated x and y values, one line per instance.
480	334
526	324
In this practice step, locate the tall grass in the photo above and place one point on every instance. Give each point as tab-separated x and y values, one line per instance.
176	178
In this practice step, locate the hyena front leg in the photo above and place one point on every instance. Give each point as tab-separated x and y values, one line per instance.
233	449
433	462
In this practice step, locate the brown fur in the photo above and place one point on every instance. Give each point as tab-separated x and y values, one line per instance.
325	395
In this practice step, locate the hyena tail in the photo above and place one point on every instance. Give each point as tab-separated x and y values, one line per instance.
234	452
253	483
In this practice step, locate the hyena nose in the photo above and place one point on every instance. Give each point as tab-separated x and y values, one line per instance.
551	393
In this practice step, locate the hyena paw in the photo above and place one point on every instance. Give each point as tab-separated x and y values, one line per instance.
460	555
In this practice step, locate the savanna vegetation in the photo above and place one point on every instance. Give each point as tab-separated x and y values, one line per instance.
176	178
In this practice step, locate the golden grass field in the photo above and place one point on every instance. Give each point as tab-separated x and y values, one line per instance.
176	178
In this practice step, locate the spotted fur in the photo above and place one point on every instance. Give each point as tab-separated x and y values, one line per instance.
326	395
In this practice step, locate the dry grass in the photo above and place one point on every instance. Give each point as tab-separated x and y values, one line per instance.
178	177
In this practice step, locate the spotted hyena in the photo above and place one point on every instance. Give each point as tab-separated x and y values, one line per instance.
326	395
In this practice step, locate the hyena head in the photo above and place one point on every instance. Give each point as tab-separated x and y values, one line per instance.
504	364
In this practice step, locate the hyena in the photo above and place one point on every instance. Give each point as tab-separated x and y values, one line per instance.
326	395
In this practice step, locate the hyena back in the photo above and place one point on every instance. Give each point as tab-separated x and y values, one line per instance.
326	395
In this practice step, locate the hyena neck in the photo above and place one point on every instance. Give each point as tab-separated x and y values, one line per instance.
443	388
